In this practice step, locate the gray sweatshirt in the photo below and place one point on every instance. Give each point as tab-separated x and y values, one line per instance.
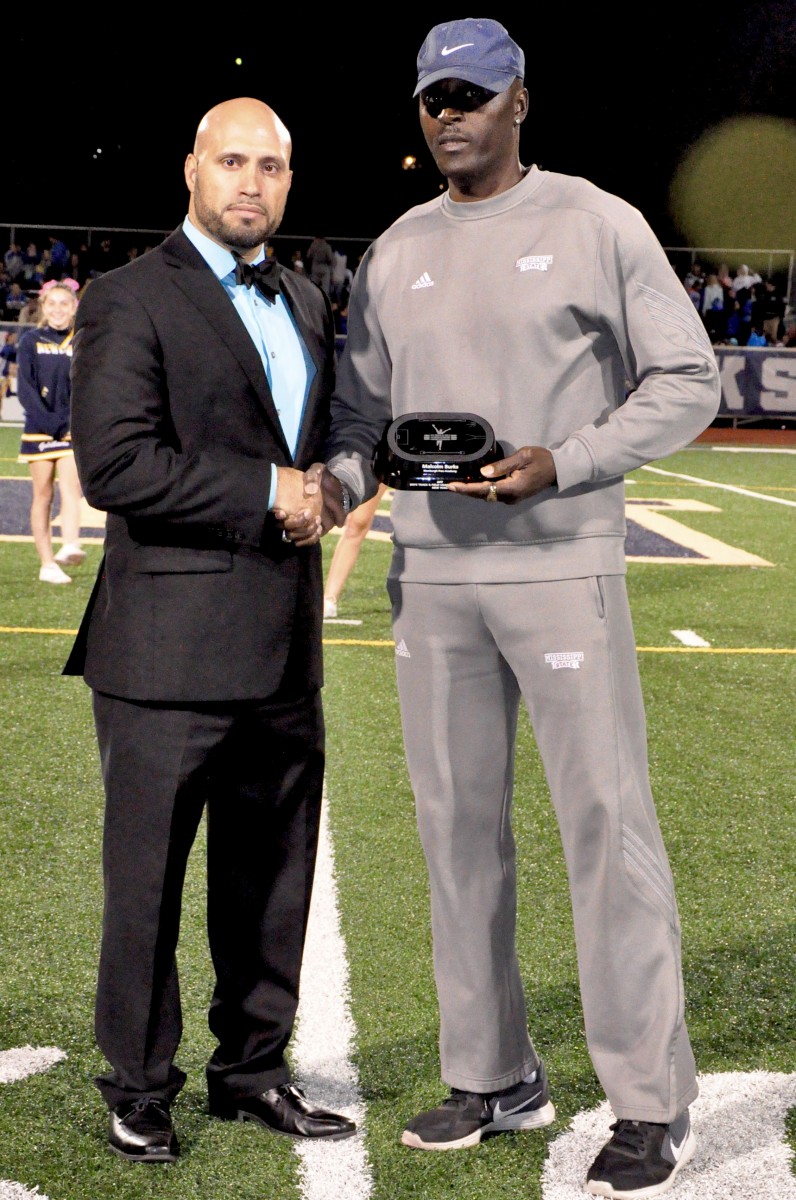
552	311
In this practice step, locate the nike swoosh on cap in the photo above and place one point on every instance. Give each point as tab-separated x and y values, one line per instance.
445	51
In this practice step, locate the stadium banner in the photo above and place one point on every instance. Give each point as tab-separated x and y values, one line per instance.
757	382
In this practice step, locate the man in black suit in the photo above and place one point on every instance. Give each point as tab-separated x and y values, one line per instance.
197	402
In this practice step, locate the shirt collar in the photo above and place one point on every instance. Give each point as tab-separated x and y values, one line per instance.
219	260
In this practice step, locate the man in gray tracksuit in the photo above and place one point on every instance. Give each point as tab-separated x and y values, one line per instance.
548	307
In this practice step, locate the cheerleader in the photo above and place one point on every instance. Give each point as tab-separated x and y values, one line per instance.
43	359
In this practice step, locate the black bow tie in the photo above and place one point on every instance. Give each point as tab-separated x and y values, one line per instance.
264	275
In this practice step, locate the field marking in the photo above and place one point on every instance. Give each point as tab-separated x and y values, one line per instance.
689	638
714	650
724	487
742	1147
751	450
16	1064
23	1061
713	552
323	1042
388	642
22	629
86	540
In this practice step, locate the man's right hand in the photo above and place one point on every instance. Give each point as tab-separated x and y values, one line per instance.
296	510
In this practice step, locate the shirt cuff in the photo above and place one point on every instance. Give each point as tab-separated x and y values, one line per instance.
574	464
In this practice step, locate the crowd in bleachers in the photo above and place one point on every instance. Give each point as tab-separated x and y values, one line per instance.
27	265
740	309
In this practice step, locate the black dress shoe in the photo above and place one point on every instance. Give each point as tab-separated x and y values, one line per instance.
141	1131
284	1110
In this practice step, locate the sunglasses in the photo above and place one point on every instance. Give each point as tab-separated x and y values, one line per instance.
467	97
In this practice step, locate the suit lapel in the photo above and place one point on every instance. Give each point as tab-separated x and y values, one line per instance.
199	284
305	324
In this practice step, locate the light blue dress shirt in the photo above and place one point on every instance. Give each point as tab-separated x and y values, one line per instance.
286	361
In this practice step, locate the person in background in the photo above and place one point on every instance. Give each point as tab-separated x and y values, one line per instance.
356	528
513	587
8	364
695	277
201	384
77	265
319	258
59	257
341	277
745	280
768	310
31	261
712	307
30	311
15	301
44	358
14	261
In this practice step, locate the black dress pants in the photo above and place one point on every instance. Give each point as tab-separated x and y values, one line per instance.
256	768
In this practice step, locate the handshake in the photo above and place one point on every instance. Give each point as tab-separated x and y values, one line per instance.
307	503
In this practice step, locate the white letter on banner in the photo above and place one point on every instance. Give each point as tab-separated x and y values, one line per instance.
778	384
731	366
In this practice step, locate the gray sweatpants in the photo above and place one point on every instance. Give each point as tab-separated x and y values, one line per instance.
465	653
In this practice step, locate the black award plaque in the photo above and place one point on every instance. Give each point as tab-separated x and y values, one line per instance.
425	451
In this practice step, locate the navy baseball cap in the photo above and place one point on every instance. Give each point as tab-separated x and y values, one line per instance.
476	49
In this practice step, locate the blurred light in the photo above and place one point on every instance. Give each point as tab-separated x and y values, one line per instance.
735	186
409	162
238	62
99	149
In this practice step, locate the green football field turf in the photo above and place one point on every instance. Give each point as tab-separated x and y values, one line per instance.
721	736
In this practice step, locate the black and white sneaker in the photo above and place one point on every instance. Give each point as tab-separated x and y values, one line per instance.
465	1117
642	1159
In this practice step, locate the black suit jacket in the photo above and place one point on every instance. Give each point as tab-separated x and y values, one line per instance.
175	430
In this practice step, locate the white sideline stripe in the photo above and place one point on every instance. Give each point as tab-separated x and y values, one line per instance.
323	1043
751	450
724	487
689	638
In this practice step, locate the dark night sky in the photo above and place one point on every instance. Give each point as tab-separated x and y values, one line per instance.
618	93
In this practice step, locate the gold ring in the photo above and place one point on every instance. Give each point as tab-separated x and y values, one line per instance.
492	493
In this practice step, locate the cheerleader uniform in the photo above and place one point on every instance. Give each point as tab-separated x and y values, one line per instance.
43	389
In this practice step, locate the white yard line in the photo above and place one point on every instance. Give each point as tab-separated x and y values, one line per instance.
751	450
322	1051
724	487
743	1151
689	638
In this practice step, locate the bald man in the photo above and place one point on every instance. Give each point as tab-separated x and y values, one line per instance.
200	395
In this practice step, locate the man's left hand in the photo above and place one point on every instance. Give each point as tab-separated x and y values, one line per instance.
530	470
